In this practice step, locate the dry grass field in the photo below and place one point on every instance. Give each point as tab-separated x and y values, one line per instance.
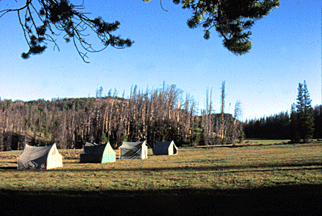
279	179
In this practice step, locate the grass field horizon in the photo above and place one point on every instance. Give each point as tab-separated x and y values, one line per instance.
281	179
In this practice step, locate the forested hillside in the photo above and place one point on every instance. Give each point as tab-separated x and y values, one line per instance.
153	115
156	115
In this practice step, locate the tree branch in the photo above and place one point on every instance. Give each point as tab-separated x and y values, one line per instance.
68	18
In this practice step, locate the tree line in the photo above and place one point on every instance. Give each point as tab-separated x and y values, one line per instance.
153	115
303	124
278	126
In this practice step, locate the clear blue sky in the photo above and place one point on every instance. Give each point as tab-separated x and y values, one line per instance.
286	51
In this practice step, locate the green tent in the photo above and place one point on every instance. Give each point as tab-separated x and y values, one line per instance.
94	153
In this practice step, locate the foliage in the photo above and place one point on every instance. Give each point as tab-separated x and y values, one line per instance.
294	126
198	134
43	20
318	122
104	138
232	19
302	116
284	125
271	127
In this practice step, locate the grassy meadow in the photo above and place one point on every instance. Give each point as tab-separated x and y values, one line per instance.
195	176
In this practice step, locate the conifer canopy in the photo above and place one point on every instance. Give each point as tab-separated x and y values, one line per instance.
42	21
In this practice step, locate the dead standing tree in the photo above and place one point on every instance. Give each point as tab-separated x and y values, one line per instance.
222	121
236	129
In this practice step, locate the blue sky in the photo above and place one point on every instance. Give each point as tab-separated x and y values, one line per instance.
286	51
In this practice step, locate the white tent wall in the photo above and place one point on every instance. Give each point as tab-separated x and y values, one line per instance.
174	148
44	157
54	159
134	150
165	148
170	150
144	151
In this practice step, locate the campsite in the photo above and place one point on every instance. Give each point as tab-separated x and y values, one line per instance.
182	107
263	179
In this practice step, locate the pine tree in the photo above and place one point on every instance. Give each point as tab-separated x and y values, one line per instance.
43	21
302	119
318	122
103	139
308	116
295	137
230	18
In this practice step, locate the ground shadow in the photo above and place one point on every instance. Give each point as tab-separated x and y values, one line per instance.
8	168
283	200
222	168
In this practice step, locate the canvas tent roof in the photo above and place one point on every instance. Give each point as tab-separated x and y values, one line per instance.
134	150
165	148
90	144
94	153
42	157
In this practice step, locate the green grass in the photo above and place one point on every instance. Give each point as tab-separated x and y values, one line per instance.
266	141
198	169
259	179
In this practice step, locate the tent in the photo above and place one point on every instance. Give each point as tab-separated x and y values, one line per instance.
43	157
165	148
134	150
94	153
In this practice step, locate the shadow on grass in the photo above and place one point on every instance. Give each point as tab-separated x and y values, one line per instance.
8	168
283	200
220	168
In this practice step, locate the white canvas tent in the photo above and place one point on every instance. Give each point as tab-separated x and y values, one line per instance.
134	150
43	157
94	153
165	148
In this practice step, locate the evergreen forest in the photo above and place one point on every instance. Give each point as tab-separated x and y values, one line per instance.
303	124
278	126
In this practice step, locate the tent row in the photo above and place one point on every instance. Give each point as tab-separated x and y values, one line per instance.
48	157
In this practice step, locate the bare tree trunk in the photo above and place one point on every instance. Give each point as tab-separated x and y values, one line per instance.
223	127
